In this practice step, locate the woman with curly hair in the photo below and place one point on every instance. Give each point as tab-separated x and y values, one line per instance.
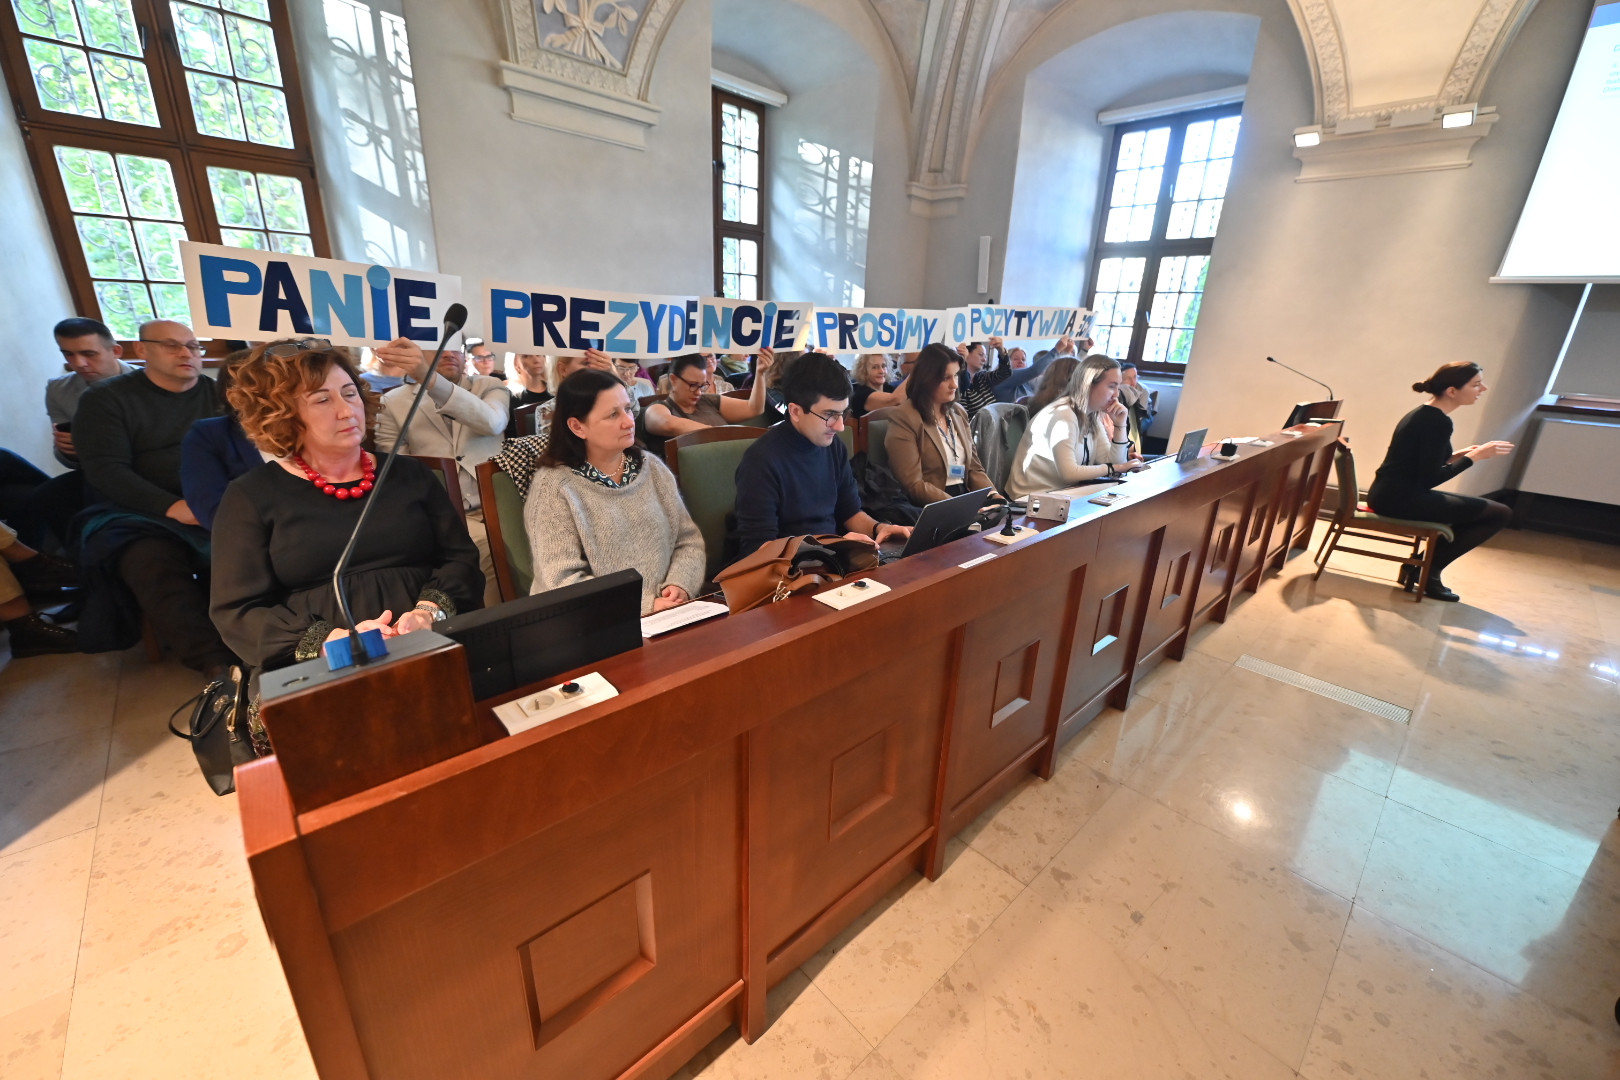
281	528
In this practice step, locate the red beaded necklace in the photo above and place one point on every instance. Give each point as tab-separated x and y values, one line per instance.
368	477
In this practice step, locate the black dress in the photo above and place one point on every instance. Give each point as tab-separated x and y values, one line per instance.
277	538
1418	461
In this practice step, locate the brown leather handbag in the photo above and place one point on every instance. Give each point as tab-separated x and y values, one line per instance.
784	566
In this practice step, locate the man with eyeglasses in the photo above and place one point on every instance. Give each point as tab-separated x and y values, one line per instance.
128	432
482	359
690	408
795	479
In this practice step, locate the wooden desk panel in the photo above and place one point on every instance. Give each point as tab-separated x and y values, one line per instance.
598	897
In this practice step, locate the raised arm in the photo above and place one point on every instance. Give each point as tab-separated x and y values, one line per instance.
735	410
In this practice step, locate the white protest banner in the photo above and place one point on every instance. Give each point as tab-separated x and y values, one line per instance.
252	295
638	326
1011	323
845	330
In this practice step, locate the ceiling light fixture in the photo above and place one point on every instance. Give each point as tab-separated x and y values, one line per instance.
1308	136
1459	116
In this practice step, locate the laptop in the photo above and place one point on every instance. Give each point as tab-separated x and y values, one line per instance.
940	523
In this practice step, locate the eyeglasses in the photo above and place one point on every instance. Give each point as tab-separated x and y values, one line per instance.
832	420
293	348
694	385
174	346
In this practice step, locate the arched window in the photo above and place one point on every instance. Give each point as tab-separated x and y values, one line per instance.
150	122
1161	208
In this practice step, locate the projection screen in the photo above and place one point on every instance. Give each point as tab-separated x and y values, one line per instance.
1570	227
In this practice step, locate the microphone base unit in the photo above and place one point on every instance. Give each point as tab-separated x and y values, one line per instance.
340	653
315	673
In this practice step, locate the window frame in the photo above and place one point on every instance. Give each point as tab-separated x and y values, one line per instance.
176	139
735	229
1156	248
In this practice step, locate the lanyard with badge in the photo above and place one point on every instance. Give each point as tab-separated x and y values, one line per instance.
955	468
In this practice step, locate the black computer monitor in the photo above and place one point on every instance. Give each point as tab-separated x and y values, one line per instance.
536	637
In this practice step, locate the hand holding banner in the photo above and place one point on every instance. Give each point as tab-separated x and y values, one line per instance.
253	295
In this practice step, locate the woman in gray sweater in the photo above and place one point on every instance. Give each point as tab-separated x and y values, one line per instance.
598	505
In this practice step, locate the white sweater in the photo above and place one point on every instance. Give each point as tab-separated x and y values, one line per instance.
579	529
1060	449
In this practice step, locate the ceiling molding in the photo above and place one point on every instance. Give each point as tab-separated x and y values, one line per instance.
1386	151
558	89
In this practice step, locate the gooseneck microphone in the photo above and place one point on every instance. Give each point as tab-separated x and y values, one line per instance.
454	319
1302	375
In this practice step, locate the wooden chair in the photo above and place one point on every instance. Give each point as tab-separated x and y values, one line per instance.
448	470
524	420
870	431
508	538
1352	519
742	395
709	482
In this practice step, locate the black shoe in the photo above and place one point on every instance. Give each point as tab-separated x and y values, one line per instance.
1438	591
31	635
1408	578
46	575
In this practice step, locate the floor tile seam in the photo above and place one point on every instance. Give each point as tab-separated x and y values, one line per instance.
1194	1008
870	1046
1481	836
1022	888
1557	1010
31	847
1321	1002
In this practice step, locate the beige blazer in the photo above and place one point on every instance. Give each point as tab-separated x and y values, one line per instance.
917	453
470	426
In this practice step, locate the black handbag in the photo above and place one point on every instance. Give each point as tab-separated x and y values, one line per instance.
220	729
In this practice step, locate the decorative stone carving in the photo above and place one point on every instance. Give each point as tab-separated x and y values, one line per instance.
570	70
1401	147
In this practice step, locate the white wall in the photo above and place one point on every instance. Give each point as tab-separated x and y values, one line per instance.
1593	363
1063	152
516	201
844	92
34	298
1372	283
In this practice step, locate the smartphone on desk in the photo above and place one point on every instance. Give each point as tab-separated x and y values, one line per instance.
1108	498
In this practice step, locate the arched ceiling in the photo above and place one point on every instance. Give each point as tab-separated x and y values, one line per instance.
1368	57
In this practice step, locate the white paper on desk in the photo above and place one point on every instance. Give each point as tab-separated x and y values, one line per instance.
676	617
849	595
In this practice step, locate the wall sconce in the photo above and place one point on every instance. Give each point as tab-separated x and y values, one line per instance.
1459	116
1308	136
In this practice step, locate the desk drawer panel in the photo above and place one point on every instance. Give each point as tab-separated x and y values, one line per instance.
567	956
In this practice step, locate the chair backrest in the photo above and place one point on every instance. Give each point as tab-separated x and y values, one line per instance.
705	465
508	539
1344	466
997	430
449	473
524	420
741	395
877	431
863	429
848	435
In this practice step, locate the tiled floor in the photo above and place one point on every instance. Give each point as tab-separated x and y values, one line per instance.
1233	878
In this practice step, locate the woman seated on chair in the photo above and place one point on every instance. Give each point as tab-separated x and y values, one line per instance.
1420	458
282	527
929	442
690	408
873	390
598	505
1083	435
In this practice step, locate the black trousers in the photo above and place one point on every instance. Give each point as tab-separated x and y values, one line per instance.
1472	519
19	479
57	501
170	581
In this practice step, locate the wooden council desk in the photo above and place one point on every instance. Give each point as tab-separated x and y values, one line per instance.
601	896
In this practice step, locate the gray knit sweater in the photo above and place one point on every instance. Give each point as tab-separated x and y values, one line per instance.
579	529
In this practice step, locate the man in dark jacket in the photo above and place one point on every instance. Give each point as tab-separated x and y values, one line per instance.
128	433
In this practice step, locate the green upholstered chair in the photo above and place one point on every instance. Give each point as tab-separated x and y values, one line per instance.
449	474
1354	519
870	431
705	465
508	539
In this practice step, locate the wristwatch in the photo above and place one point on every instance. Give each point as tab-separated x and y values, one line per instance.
432	609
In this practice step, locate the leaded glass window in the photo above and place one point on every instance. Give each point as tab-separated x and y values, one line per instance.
153	121
85	57
1167	183
739	196
126	214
